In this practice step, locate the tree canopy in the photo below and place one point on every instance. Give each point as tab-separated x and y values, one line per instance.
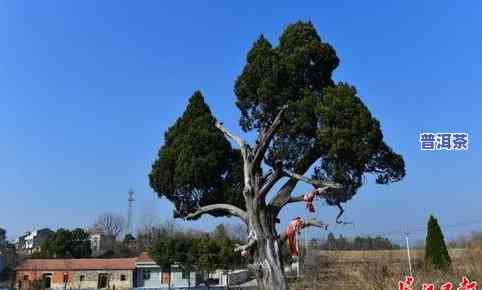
326	127
66	244
197	166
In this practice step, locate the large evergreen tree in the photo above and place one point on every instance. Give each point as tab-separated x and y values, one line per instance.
436	253
303	120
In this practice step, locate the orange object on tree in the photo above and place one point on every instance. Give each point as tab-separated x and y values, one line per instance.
291	232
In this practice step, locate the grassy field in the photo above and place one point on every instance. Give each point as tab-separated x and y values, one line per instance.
381	270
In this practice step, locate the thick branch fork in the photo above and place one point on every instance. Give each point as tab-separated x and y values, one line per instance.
230	209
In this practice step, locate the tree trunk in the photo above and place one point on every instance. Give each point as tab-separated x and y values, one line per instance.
270	274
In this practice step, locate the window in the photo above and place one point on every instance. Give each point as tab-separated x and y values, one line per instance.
66	277
81	278
146	274
123	278
103	281
25	277
185	275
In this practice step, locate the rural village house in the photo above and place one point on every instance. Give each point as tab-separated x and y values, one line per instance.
123	273
76	273
31	242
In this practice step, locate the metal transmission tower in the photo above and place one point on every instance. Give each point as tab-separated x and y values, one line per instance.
129	213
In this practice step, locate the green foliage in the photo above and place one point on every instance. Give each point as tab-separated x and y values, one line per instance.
203	253
66	244
325	122
358	243
164	251
326	125
129	238
196	165
436	253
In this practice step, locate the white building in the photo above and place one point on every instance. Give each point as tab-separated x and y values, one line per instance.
100	242
150	275
32	241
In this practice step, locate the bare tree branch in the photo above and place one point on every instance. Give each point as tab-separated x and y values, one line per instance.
245	152
309	223
314	182
300	198
109	224
271	180
284	193
240	248
315	223
338	217
265	137
230	209
238	140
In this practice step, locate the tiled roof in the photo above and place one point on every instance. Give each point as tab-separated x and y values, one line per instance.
144	258
78	264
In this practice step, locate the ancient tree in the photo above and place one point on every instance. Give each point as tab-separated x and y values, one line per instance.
309	129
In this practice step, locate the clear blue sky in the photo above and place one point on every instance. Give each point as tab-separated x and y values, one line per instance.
87	89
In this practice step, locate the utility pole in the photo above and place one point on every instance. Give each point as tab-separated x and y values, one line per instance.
408	254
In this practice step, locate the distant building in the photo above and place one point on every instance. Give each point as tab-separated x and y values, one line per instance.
31	242
3	237
100	243
150	275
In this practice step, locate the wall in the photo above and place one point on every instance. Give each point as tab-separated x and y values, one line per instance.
155	278
90	279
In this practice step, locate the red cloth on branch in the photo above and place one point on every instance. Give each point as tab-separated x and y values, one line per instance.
291	232
308	198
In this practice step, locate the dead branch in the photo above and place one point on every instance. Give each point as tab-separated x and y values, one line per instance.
300	198
338	220
310	223
316	183
230	209
265	137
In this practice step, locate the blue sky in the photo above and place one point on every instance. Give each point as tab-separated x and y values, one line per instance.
87	89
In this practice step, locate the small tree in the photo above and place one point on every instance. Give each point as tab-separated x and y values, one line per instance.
436	253
163	252
109	224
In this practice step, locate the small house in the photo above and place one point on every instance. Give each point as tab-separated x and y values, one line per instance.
76	273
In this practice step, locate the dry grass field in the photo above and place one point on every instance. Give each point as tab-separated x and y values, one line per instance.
381	270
